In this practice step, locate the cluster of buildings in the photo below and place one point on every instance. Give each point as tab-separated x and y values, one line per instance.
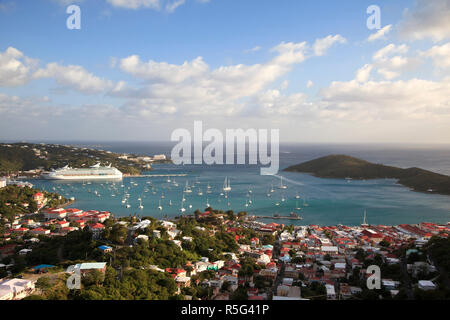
56	222
329	254
299	257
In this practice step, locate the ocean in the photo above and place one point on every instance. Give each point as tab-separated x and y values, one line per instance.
317	201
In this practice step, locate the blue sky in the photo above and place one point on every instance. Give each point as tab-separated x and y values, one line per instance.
247	64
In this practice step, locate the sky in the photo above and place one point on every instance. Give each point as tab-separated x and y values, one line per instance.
136	70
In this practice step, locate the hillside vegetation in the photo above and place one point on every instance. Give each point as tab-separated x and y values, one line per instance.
342	166
27	156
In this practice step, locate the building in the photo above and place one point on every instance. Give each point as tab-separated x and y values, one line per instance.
87	267
55	214
15	289
39	198
96	230
159	157
105	248
426	285
331	293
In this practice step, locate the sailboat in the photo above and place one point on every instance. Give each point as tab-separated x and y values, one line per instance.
297	196
364	224
170	202
207	203
304	203
187	189
159	205
200	192
226	185
282	186
296	206
140	204
182	209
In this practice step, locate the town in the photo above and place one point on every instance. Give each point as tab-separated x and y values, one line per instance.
211	255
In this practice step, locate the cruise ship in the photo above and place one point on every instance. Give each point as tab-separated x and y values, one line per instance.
93	172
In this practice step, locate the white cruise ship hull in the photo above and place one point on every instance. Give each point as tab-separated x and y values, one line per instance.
92	173
90	177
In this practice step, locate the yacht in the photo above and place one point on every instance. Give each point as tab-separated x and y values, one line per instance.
226	185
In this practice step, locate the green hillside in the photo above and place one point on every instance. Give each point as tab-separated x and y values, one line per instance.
27	156
342	166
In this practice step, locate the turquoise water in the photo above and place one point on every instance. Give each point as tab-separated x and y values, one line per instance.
322	201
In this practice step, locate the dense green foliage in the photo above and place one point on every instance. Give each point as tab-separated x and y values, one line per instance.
13	197
21	157
341	166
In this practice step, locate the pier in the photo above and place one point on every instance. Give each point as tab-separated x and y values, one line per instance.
278	217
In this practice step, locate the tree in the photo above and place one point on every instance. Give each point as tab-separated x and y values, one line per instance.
241	293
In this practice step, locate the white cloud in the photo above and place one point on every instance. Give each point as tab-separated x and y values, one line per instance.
428	19
380	34
363	74
14	68
162	71
75	77
171	6
321	46
391	62
440	55
412	99
254	49
135	4
309	84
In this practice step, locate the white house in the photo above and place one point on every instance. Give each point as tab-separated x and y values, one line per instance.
15	289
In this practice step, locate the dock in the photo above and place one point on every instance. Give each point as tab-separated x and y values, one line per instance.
278	217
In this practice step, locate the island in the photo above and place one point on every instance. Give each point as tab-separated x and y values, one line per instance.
346	167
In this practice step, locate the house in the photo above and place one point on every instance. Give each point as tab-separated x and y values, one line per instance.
105	248
39	198
426	285
15	289
176	271
55	214
87	267
96	229
331	292
62	224
183	281
40	231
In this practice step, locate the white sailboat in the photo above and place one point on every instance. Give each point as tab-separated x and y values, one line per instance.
159	205
282	186
304	203
226	185
187	189
140	204
182	209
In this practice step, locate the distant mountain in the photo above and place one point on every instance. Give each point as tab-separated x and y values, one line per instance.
342	166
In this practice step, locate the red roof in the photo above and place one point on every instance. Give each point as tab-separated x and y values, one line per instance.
97	226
